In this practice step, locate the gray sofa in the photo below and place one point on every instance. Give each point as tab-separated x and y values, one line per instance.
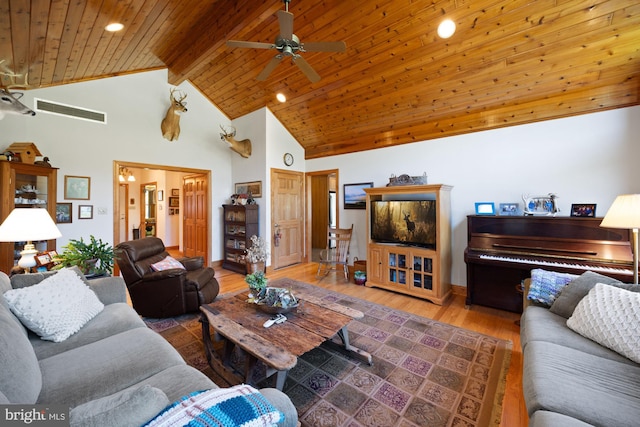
569	380
113	371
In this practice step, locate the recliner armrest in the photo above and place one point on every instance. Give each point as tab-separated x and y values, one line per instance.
164	274
192	263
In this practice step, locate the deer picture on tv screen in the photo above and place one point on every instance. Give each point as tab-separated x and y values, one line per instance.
411	222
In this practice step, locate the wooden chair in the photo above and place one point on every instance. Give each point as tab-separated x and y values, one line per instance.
336	253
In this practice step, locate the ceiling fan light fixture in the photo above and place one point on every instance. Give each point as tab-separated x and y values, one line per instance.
280	97
114	26
446	28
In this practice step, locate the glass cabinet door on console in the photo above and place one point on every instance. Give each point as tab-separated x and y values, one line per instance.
25	186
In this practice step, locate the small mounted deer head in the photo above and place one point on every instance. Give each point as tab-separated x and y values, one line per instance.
9	102
170	125
241	147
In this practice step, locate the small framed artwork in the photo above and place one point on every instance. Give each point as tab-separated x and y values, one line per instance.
175	192
63	213
485	208
254	188
85	211
583	209
160	195
354	195
172	211
43	259
77	187
174	202
509	209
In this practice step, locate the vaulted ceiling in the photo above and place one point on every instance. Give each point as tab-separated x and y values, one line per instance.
510	61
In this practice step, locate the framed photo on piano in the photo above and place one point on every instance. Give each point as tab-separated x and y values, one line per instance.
509	209
485	208
583	210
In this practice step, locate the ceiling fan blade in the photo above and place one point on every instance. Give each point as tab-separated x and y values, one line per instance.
306	68
269	68
253	45
286	24
324	47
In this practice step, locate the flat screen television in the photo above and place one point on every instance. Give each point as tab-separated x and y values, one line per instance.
408	222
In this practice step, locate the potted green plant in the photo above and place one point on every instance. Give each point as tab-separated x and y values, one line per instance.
257	282
93	258
360	277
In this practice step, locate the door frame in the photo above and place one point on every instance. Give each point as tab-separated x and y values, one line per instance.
309	208
117	164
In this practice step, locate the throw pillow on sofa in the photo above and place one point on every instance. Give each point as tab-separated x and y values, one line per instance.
241	405
547	285
55	308
609	316
579	288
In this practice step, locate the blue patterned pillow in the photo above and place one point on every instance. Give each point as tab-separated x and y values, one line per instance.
547	285
241	405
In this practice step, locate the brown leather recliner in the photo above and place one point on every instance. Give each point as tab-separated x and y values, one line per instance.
164	293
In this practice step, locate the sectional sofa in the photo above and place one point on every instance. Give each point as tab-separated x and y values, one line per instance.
113	371
569	378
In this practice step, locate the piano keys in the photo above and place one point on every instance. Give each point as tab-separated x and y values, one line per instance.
502	251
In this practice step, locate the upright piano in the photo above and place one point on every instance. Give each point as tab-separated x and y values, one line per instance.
502	251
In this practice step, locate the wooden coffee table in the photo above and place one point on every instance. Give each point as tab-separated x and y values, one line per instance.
238	324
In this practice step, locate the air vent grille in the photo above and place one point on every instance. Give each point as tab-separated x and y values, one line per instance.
70	111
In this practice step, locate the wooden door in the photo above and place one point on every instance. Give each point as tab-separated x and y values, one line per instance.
320	214
287	214
195	213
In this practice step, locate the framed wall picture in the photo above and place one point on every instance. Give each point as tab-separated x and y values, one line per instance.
77	187
174	202
175	191
485	208
254	187
583	209
354	195
85	211
63	213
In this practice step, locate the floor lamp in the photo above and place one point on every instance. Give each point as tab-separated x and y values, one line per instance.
625	213
28	225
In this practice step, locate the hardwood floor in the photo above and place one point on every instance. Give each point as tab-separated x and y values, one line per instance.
497	323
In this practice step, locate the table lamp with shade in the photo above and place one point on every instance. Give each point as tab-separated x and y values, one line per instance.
28	225
625	213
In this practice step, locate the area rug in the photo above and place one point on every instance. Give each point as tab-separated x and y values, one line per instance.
424	373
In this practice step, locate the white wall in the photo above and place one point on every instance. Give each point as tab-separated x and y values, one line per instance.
135	105
583	159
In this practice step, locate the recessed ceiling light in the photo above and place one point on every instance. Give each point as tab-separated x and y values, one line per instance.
280	97
446	28
116	26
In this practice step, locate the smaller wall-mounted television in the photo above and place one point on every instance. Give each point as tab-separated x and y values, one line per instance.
408	222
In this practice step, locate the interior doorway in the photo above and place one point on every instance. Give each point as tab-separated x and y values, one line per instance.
322	202
130	204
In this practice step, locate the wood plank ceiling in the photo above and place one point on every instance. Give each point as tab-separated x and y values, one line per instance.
510	61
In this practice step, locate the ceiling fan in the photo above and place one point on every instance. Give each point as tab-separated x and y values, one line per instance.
288	44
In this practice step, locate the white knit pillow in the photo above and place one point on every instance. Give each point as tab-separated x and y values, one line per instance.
55	308
610	316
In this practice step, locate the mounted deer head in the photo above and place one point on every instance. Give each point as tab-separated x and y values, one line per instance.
241	147
171	123
9	103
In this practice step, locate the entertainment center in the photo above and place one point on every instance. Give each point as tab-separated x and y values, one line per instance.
409	240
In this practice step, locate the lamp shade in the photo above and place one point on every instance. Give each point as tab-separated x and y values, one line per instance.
623	213
28	224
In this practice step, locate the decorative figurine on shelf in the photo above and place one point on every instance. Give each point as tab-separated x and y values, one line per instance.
540	205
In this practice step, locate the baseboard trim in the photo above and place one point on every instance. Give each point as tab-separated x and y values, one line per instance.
459	290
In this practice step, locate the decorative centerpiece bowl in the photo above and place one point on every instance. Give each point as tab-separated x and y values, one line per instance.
275	300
